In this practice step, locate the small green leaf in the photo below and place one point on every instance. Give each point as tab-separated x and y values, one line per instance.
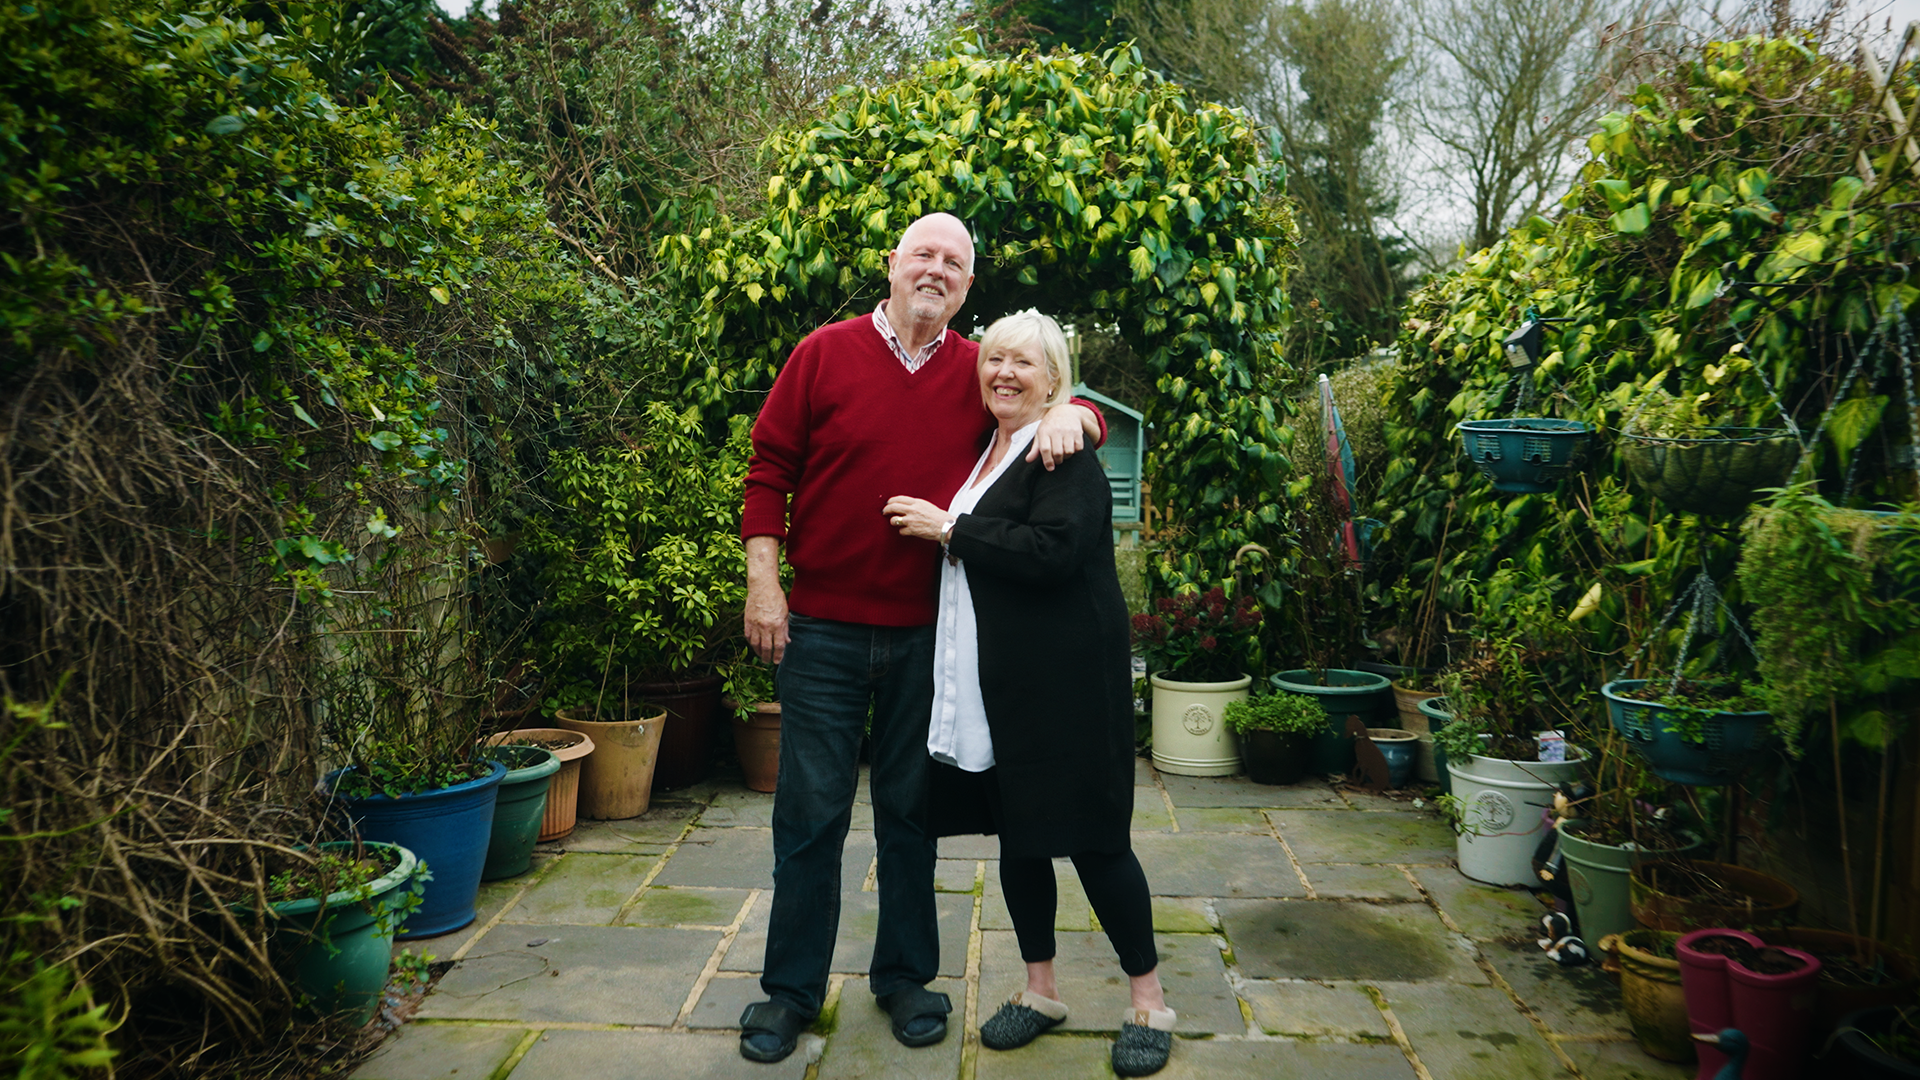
262	341
1705	288
439	292
1633	220
384	441
225	125
302	414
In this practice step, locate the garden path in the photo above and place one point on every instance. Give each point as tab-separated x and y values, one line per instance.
1305	931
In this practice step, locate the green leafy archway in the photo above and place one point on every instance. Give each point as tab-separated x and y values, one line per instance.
1094	190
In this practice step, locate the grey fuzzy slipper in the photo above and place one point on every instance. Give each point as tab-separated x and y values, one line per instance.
1020	1021
1145	1042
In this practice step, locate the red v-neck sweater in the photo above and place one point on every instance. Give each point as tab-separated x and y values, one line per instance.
845	428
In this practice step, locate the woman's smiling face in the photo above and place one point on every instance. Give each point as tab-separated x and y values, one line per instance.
1015	384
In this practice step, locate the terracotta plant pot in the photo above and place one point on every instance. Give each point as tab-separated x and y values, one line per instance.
1651	993
1407	704
563	787
685	756
1657	893
756	738
616	780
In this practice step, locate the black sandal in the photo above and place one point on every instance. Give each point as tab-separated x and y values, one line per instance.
770	1018
903	1007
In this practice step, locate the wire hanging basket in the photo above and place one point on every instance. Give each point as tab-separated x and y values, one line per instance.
1719	474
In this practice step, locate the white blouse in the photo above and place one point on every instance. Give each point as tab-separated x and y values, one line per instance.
958	734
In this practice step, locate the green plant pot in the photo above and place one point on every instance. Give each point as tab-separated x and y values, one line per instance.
1438	716
1597	875
1343	694
519	810
336	950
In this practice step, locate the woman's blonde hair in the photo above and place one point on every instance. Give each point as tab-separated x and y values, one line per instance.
1026	328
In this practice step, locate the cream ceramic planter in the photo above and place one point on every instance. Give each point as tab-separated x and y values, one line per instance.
1190	736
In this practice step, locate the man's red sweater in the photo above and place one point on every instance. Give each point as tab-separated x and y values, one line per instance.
845	428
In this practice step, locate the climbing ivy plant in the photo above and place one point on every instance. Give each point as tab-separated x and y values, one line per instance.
1723	240
1095	191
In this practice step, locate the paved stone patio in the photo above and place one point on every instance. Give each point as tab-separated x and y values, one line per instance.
1304	931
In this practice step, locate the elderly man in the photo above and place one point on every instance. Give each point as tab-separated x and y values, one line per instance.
875	406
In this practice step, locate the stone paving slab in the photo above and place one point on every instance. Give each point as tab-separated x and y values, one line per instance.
1150	811
1483	912
1224	865
722	858
1200	791
970	846
649	833
1222	819
954	875
441	1052
723	1000
1247	1059
1071	909
687	906
853	944
1316	1010
645	1055
582	889
1054	1056
1470	1033
591	974
1580	1002
1320	939
1181	915
1095	989
1623	1061
758	814
1391	799
862	1042
1359	882
1371	837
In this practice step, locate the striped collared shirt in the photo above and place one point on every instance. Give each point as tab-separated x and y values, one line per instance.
914	362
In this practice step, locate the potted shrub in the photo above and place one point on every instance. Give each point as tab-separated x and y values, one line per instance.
1276	733
401	699
750	694
519	809
1604	834
335	911
1196	647
642	566
1493	750
563	787
1672	450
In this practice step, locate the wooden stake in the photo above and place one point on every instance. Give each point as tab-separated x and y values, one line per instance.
1840	804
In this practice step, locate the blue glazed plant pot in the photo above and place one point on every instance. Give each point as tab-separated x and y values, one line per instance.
1438	716
447	829
335	950
1401	749
1733	740
1343	694
1526	455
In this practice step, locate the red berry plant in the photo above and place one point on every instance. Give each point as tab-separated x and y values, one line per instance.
1198	637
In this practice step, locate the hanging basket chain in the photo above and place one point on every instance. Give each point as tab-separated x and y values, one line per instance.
1874	343
1907	391
1703	598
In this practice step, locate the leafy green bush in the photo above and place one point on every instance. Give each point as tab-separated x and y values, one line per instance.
1292	714
643	558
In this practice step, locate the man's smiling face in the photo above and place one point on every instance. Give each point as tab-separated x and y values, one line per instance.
930	271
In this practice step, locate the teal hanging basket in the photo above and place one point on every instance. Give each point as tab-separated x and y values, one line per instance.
1526	455
1731	740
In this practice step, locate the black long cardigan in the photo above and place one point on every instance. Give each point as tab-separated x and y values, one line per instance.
1054	669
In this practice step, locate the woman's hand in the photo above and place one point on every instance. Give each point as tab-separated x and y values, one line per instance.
915	517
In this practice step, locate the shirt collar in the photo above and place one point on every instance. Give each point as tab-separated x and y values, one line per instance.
914	362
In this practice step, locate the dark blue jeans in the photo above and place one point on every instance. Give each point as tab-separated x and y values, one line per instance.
832	675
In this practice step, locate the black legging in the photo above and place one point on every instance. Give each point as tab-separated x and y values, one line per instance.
1115	885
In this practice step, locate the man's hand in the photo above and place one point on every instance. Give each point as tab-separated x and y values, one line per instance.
766	618
915	517
1063	432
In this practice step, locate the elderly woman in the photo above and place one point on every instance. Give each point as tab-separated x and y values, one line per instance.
1032	727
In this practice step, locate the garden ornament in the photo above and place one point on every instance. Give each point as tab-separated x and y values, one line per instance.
1369	764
